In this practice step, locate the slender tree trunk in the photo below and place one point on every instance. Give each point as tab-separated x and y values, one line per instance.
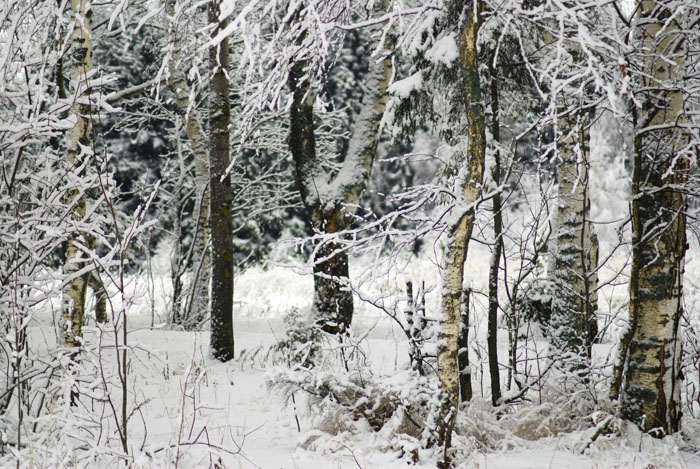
460	233
221	224
80	150
492	340
574	305
650	355
330	201
195	306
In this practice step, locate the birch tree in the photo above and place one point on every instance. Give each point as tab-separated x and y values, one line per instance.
647	376
576	253
331	200
460	230
565	72
80	148
192	306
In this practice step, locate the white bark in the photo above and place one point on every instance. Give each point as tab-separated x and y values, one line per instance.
575	278
79	150
461	231
650	351
196	306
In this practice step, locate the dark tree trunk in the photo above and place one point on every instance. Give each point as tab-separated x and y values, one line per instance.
331	294
492	339
220	196
465	374
94	282
329	202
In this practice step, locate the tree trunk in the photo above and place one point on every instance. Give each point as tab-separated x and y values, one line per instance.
221	224
492	340
650	356
332	297
465	373
574	305
194	308
330	201
79	151
460	232
94	282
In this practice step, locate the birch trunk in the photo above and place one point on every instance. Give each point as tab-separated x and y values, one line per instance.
329	202
460	232
79	145
651	351
192	310
575	277
221	224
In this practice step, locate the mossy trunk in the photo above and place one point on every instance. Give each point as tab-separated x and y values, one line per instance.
221	223
332	296
650	355
461	231
94	282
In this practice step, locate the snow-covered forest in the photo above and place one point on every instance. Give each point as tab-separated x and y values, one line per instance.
350	233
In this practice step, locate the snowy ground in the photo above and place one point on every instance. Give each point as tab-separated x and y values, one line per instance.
188	410
239	414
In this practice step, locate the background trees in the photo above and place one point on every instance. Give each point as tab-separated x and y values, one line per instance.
485	121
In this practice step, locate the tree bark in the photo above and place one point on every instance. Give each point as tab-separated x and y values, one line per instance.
221	224
79	151
329	202
94	282
461	230
650	355
492	340
575	277
192	308
465	374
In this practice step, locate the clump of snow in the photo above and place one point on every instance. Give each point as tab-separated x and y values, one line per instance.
404	88
445	51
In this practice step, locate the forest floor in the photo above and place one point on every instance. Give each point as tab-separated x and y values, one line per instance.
240	414
188	410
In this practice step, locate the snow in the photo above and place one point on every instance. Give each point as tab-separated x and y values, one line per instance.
444	51
403	88
193	410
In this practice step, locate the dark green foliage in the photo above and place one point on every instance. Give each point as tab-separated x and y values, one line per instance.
535	302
